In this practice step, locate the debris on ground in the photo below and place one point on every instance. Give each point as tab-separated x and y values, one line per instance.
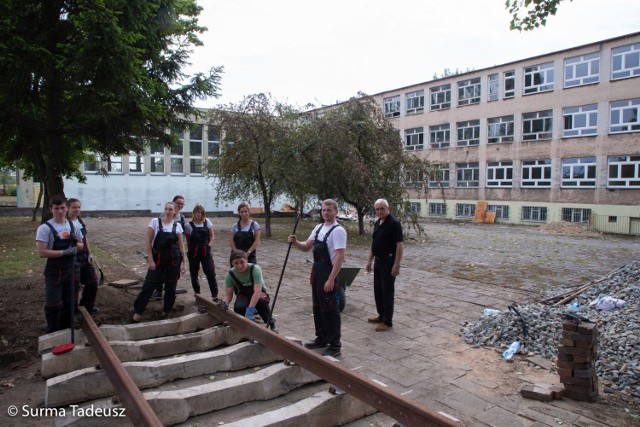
539	327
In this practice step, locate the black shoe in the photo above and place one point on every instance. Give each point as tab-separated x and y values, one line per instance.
272	326
164	316
94	310
157	296
332	351
315	344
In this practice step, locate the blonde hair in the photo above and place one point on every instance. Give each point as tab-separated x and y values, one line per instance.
199	208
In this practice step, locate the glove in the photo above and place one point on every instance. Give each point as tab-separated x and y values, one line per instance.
71	250
91	258
250	313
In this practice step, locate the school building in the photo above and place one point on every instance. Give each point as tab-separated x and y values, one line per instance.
555	137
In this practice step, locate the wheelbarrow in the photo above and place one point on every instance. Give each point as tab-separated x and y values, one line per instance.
346	276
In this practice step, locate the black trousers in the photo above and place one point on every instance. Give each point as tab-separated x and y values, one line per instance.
164	273
262	307
384	288
326	310
209	270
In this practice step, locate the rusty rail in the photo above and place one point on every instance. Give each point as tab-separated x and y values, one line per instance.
138	409
385	400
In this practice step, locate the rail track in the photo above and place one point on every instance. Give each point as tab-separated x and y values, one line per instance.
211	368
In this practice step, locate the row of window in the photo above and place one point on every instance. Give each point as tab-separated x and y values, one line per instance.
528	213
623	172
578	71
578	121
201	145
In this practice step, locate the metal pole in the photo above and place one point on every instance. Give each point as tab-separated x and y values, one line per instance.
286	258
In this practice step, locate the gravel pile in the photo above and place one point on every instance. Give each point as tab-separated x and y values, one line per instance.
618	364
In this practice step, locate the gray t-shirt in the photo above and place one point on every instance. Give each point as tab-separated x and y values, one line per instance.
44	233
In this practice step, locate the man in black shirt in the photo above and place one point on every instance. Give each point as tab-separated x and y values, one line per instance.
386	249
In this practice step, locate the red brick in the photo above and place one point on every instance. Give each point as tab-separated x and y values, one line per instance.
580	344
564	357
575	336
586	382
537	392
581	359
584	373
569	325
585	397
565	372
582	352
567	342
586	328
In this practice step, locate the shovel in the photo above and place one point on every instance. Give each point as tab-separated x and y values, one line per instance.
65	348
101	281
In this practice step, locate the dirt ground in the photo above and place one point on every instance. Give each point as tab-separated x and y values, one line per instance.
487	258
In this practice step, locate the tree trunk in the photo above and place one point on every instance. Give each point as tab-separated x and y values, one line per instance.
35	209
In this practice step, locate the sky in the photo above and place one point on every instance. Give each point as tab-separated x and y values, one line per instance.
324	52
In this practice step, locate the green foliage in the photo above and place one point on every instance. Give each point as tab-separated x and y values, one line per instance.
93	76
259	146
536	13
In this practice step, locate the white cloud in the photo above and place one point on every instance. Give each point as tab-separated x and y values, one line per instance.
322	52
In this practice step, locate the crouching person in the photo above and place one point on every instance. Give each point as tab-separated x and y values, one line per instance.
246	282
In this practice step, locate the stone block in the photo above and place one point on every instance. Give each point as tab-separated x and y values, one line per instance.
535	391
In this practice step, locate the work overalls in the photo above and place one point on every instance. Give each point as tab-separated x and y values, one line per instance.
326	311
86	274
244	292
166	254
199	252
59	283
243	241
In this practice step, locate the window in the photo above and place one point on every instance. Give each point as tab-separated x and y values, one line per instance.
415	102
467	175
469	92
534	213
465	209
415	207
156	161
625	61
582	70
440	97
114	164
468	133
624	116
493	82
414	139
580	121
624	172
538	78
195	149
177	161
92	165
500	130
613	219
500	174
392	106
437	209
579	172
136	162
509	78
536	173
440	136
414	180
577	215
439	176
537	126
502	211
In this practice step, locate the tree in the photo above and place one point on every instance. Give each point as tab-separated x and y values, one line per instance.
84	76
258	146
537	12
356	156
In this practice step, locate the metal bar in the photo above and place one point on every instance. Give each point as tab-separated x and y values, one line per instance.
138	409
383	399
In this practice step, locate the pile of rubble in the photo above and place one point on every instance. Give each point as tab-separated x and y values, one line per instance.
538	327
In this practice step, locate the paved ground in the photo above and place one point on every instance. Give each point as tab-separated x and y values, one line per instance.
449	279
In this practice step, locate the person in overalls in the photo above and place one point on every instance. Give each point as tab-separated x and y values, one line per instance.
166	258
245	234
329	242
246	282
85	273
58	241
199	232
178	202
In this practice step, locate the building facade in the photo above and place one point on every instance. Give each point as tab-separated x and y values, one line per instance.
548	138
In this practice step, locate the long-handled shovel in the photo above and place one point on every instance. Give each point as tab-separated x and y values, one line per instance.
286	258
65	348
101	281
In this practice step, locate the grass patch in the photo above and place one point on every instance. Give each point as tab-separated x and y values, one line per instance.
281	228
18	248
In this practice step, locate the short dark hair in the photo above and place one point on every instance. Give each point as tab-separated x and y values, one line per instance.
57	200
238	254
72	200
176	197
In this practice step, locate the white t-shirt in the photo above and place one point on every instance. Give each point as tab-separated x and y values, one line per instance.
256	227
44	233
337	239
165	227
189	229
